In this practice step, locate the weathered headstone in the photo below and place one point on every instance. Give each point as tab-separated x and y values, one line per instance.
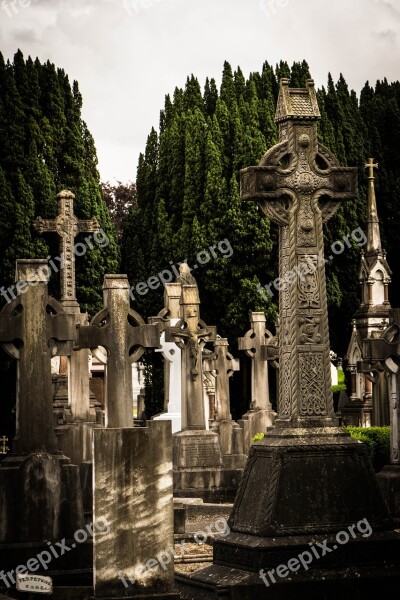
133	494
124	334
308	477
31	327
260	416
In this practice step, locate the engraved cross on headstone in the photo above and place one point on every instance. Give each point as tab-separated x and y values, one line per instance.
190	334
67	226
29	328
125	336
299	185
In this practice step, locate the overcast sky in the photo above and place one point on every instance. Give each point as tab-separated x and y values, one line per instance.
127	54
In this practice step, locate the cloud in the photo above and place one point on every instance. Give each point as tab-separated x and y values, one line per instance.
126	61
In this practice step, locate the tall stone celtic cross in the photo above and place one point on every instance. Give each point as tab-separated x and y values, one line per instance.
67	226
299	185
30	328
125	336
190	334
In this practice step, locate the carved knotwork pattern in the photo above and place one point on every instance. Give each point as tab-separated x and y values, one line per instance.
285	293
309	330
312	384
285	371
308	282
306	224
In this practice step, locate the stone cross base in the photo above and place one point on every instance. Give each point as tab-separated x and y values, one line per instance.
194	448
175	418
367	568
199	469
53	508
231	442
253	422
307	486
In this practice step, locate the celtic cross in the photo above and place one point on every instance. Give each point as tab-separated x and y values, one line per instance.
299	185
67	226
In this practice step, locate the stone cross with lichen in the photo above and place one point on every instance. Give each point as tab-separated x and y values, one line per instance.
299	185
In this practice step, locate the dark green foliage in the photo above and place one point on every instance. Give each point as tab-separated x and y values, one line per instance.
46	147
188	192
377	440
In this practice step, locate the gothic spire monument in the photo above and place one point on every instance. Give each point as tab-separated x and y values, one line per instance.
369	399
307	480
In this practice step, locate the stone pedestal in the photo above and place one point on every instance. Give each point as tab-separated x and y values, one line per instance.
199	470
133	494
231	443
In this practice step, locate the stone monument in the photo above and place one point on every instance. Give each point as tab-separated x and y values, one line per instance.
198	469
308	479
80	413
260	416
31	329
133	494
125	336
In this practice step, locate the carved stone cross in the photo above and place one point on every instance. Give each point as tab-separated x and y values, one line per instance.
299	185
67	226
30	326
254	343
125	336
370	165
190	334
223	365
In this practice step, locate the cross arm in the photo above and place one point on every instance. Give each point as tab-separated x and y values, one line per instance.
88	226
45	225
142	337
61	327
